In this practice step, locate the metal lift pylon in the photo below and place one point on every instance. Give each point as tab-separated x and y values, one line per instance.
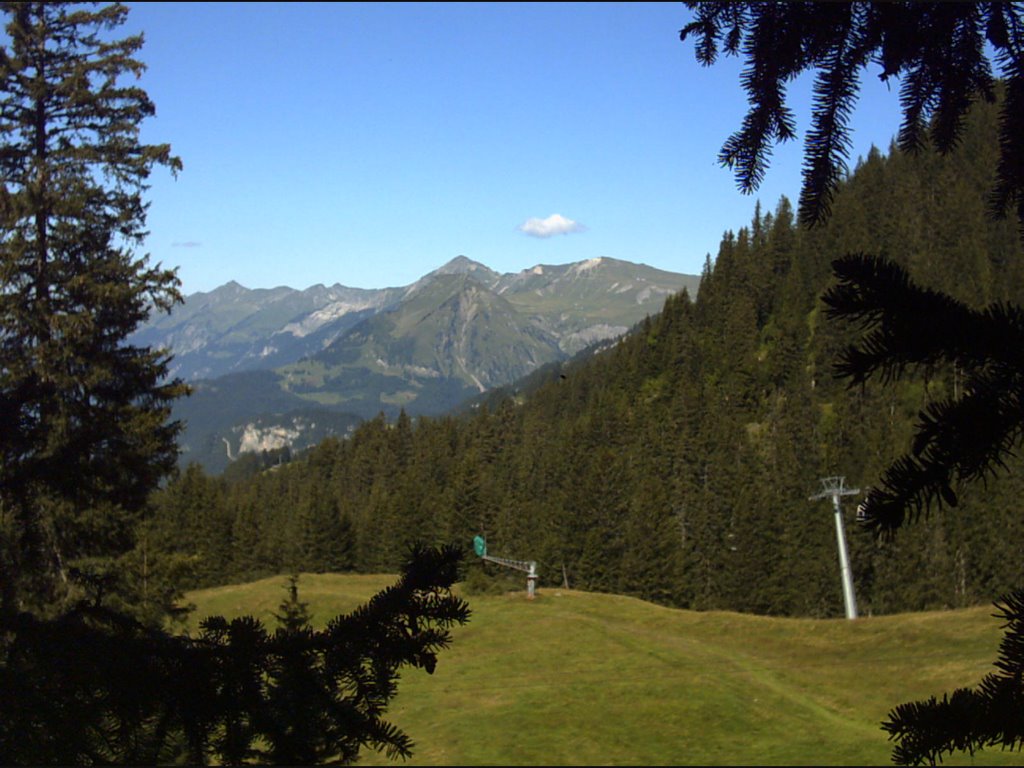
834	488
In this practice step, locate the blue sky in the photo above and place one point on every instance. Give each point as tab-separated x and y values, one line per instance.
367	144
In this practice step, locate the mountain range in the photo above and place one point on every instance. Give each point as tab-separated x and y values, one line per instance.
285	367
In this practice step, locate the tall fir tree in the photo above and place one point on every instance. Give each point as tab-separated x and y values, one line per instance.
83	414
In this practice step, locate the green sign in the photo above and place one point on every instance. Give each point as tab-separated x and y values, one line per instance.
479	546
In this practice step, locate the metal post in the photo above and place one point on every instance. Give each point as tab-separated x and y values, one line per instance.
833	487
531	580
849	600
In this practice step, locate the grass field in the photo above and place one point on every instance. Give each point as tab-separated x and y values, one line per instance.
574	678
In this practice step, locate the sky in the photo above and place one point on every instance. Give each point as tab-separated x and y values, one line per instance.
368	144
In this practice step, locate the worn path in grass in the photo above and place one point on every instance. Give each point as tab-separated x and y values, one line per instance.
575	678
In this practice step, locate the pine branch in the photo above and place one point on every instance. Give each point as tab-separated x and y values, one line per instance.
992	715
1009	187
968	73
827	144
938	50
769	120
94	685
714	19
906	326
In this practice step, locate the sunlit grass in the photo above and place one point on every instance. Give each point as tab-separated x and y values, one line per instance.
574	678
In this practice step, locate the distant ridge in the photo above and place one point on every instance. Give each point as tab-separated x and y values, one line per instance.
459	330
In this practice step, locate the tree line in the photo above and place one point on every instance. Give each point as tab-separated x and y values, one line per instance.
676	465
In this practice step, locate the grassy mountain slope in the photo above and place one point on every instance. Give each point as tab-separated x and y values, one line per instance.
576	678
464	329
611	291
453	328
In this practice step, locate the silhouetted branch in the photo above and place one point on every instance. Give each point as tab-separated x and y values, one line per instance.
992	715
95	686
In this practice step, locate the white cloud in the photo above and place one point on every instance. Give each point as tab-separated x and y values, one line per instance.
186	244
555	224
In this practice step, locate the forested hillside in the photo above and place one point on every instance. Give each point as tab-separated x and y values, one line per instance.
677	465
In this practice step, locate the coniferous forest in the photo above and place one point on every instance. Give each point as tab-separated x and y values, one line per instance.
677	464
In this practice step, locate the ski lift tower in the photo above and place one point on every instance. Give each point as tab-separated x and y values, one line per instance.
832	487
529	567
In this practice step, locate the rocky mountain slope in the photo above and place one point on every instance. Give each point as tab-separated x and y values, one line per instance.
233	328
264	362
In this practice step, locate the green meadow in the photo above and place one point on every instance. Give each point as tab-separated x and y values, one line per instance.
576	678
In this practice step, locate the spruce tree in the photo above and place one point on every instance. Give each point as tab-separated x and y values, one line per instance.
83	414
84	427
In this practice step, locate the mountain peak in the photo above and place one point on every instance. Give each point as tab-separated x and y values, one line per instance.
230	289
462	265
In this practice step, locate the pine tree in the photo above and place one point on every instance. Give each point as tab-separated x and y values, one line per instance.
83	414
